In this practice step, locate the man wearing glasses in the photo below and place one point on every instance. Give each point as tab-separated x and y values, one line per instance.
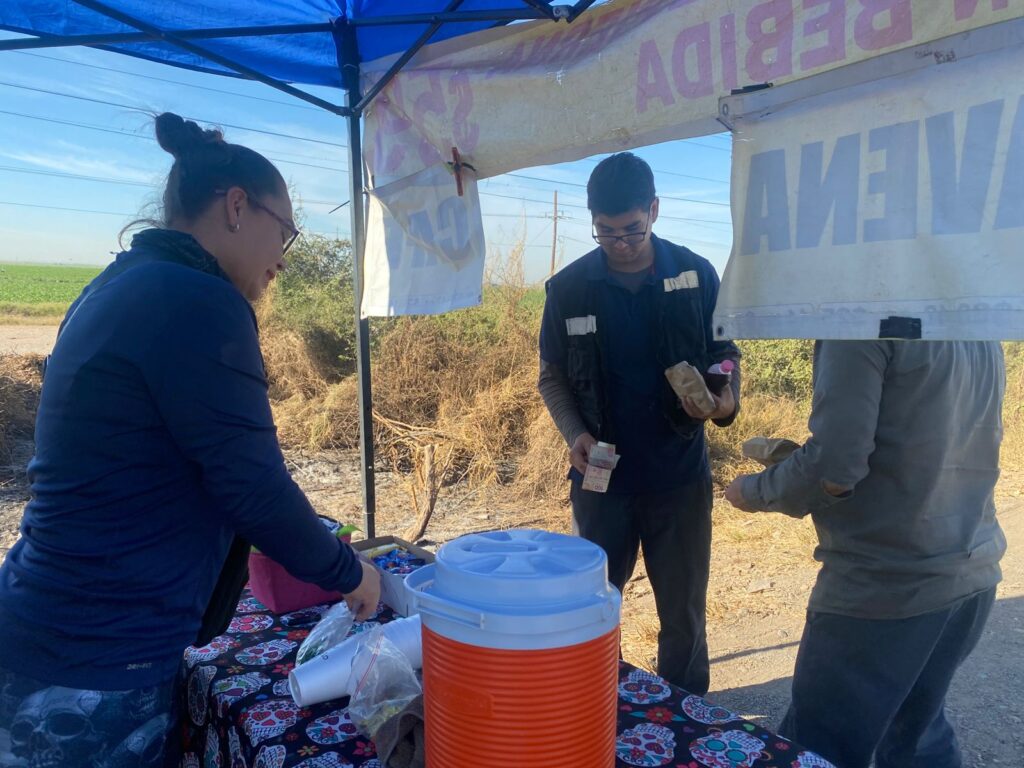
614	320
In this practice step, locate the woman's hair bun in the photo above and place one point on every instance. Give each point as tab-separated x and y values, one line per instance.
181	137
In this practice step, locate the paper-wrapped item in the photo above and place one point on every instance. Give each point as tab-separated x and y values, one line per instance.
687	381
600	463
768	450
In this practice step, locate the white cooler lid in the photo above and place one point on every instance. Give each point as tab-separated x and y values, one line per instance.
518	589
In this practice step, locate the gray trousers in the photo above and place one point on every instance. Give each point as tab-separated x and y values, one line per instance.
877	688
674	529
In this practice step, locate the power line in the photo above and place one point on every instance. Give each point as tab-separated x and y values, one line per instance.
76	176
690	176
515	245
109	213
533	243
499	181
59	208
123	182
166	80
576	184
672	173
583	207
197	119
542	231
132	134
707	146
577	240
516	216
304	201
127	182
289	136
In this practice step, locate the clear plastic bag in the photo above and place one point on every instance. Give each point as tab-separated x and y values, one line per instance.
384	683
332	629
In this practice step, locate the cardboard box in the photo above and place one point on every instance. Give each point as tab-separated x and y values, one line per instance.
392	585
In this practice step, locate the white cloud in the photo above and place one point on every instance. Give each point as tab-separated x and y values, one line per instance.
70	158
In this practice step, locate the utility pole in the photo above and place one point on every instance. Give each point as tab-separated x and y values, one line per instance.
554	234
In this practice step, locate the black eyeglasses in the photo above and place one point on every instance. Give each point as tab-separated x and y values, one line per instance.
289	232
632	238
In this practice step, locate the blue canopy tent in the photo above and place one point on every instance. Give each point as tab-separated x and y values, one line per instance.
284	42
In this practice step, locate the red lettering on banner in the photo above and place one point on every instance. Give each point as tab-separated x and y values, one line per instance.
543	50
577	33
779	40
965	9
727	29
510	62
651	80
607	25
465	133
699	38
833	23
389	154
430	102
562	45
898	30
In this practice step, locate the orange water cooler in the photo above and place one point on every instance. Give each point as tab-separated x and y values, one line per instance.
520	652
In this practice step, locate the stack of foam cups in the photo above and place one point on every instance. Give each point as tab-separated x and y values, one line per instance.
328	675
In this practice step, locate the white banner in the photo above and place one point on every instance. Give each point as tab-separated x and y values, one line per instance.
882	209
623	75
424	246
627	74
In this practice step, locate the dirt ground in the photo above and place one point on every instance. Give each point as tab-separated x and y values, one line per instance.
27	339
762	573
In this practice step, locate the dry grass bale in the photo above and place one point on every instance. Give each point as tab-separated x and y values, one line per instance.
20	382
639	639
760	415
543	467
1012	452
488	425
329	420
291	369
416	366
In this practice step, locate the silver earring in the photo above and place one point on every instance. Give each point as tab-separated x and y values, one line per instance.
235	227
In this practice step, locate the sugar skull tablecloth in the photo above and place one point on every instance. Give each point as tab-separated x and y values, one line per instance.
238	712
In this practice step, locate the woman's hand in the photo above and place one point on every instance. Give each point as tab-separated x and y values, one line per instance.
362	600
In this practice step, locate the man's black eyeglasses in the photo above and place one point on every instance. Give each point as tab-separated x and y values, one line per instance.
632	238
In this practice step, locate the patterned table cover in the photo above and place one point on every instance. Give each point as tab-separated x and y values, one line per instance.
238	712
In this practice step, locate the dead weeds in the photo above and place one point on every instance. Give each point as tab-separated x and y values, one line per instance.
20	382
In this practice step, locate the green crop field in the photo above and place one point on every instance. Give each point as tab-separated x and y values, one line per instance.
42	283
37	291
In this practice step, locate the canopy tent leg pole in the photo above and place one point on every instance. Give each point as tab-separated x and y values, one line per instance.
350	79
362	328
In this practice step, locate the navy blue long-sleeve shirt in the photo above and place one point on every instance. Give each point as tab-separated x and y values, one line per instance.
654	457
154	443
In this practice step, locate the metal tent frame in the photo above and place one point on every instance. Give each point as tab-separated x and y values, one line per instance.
343	31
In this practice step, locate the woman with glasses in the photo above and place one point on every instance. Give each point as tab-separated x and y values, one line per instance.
156	454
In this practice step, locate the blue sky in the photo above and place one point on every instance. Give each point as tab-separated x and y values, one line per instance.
48	139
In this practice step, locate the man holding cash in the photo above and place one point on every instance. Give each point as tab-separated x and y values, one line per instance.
614	321
899	477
